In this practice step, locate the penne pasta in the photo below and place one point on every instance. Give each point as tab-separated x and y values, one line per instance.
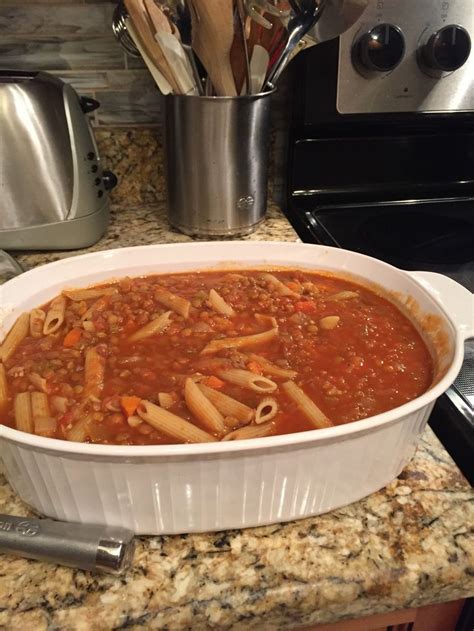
266	410
22	410
247	379
94	373
166	399
176	303
99	305
38	381
203	409
228	406
39	405
342	295
157	325
239	342
266	319
55	316
219	304
306	405
37	318
16	335
272	369
3	389
45	426
251	431
329	322
278	286
59	404
172	425
79	431
77	295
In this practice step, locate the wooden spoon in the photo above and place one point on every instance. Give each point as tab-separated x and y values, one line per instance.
212	37
138	17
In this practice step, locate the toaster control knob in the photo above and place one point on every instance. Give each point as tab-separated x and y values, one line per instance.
448	49
381	49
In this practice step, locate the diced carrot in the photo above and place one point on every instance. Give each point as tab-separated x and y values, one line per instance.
130	404
293	286
130	326
72	338
305	306
213	382
254	367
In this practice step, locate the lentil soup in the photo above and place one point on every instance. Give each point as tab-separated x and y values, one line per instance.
207	356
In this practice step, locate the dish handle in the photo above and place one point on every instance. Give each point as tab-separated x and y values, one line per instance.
456	299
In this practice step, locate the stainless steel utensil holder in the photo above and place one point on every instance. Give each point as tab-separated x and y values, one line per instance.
216	156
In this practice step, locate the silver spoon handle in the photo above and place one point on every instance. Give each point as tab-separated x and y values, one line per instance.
282	61
87	547
295	36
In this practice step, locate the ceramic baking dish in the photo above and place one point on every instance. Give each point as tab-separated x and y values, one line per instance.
215	486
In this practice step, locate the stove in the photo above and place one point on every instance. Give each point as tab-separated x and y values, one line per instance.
381	157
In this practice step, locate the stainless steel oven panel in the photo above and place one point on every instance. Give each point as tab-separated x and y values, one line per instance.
411	86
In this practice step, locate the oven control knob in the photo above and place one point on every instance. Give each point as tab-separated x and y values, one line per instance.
381	49
448	49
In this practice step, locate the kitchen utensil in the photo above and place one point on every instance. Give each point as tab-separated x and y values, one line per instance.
158	77
258	68
212	37
157	18
338	17
219	148
257	8
87	547
181	18
179	61
171	48
214	486
53	192
306	16
143	33
239	57
120	30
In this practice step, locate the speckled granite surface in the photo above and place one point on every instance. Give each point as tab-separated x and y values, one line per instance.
408	545
148	224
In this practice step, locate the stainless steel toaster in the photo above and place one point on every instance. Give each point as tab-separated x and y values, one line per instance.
53	192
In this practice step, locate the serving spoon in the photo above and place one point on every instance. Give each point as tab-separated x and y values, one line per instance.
307	13
338	17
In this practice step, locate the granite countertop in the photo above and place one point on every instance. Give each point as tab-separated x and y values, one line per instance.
408	545
148	224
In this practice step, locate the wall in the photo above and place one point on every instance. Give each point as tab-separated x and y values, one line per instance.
73	39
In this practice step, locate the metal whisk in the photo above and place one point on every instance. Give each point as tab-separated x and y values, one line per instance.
119	27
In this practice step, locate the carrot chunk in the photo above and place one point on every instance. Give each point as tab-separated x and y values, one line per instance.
254	367
129	404
72	338
305	306
213	382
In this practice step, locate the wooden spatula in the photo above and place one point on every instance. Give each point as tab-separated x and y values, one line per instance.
139	19
171	48
212	37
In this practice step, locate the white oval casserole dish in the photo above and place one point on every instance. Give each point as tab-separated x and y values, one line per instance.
216	486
